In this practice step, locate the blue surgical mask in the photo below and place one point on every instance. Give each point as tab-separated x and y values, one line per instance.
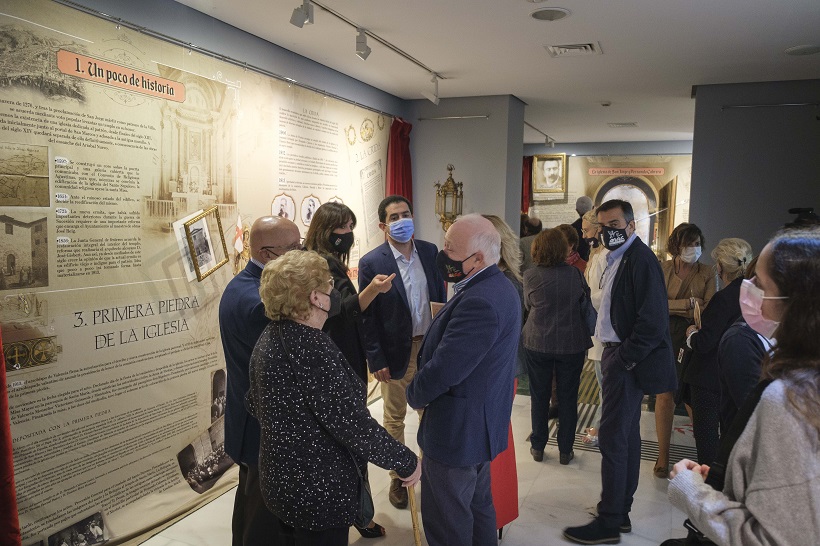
401	230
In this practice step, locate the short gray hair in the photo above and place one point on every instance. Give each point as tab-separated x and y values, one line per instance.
484	237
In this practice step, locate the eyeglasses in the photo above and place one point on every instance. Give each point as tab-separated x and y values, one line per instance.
273	249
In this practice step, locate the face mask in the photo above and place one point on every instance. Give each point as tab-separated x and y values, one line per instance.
751	304
452	270
614	238
593	242
335	303
401	230
690	254
341	242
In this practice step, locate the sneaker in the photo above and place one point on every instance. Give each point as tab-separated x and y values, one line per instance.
537	456
398	494
567	457
593	533
626	525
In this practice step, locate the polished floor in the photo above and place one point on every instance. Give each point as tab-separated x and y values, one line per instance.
551	496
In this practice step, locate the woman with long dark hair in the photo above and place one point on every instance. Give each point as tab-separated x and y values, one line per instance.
770	493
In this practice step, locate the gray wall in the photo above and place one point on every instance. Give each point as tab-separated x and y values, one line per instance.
486	154
750	165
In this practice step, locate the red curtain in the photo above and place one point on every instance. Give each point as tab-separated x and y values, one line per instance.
9	524
526	185
399	173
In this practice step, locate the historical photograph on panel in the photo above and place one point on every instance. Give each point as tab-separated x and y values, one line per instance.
283	206
549	174
218	397
23	175
309	206
23	250
27	341
88	531
197	163
204	460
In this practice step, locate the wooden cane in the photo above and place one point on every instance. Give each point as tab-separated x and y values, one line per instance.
411	495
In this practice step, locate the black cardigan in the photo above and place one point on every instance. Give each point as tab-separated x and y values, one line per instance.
309	408
345	329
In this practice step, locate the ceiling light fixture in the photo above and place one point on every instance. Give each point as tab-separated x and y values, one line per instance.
805	49
362	49
432	97
302	15
550	14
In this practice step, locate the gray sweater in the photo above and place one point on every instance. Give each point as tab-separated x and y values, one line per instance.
772	489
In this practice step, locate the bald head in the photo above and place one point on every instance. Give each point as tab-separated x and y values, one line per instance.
473	236
272	236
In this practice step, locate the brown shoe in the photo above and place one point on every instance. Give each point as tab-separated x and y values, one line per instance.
398	494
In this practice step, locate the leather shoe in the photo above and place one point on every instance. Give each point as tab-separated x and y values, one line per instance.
566	457
397	494
626	525
593	533
537	456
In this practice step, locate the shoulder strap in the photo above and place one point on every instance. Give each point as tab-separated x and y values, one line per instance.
304	395
717	471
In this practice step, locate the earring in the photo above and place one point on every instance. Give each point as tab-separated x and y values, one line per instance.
322	307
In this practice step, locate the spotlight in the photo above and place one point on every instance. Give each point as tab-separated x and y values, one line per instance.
302	15
362	49
432	97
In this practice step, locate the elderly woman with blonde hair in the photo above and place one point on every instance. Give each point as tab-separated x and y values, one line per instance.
317	434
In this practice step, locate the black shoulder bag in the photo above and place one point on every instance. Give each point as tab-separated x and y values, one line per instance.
365	510
717	470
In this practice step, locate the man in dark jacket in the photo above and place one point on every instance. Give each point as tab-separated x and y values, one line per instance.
241	321
633	325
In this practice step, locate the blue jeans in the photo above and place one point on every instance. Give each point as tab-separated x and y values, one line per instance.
567	370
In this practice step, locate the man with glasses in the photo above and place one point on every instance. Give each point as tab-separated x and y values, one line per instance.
394	324
241	321
633	326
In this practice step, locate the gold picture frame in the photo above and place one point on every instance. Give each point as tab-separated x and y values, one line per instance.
198	234
549	182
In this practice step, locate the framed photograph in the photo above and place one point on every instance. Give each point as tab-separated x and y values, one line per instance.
203	232
549	174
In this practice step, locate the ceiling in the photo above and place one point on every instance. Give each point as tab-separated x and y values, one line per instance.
654	52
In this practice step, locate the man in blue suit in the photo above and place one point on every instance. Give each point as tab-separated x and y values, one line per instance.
394	324
633	325
465	376
241	321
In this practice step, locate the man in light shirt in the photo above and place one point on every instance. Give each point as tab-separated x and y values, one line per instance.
395	323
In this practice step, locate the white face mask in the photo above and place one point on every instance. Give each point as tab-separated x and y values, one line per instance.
690	254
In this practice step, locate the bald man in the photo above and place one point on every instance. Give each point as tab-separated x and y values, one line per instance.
464	383
241	321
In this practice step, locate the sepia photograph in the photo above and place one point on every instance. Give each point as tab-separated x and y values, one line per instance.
549	174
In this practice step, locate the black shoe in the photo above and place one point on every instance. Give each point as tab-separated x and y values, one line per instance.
537	456
626	525
375	531
567	457
398	494
593	533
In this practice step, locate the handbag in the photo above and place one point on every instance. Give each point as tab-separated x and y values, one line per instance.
589	315
365	509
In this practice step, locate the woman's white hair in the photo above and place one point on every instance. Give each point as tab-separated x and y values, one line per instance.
484	237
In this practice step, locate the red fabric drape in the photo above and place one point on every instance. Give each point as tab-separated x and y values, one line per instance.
399	173
9	524
504	480
526	185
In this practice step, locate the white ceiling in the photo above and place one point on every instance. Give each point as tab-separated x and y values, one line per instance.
654	51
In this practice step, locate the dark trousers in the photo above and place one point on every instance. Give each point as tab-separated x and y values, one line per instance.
619	439
252	523
567	370
457	504
295	536
706	423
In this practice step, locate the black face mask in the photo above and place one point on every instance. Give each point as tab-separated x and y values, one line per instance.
614	238
593	242
341	242
335	303
452	270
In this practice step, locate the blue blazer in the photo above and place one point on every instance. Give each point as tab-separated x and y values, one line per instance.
466	370
241	321
640	316
388	328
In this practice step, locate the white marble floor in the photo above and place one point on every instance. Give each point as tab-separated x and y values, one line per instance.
551	497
